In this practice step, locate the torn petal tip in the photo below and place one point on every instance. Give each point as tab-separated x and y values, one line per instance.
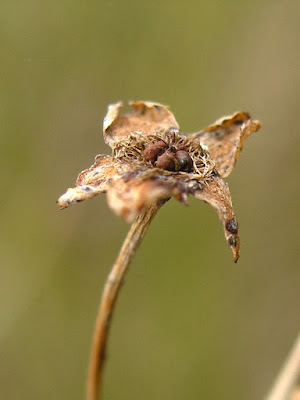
234	243
236	257
112	113
63	202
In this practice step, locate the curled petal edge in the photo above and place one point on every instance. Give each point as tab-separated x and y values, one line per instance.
216	193
225	139
145	117
91	182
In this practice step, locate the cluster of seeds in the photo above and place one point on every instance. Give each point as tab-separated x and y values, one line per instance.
170	158
166	150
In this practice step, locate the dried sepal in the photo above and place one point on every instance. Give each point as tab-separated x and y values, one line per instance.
216	193
146	117
127	198
225	139
91	181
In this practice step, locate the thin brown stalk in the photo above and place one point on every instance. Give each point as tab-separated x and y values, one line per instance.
288	376
109	297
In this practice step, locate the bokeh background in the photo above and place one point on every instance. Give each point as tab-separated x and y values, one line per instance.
190	324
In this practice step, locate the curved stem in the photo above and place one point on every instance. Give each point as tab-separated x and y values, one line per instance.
109	297
288	376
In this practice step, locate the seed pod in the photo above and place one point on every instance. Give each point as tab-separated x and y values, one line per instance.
154	150
167	161
185	161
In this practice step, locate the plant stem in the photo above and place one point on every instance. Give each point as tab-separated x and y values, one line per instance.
288	376
109	297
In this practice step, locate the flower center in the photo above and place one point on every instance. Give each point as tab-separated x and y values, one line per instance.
170	158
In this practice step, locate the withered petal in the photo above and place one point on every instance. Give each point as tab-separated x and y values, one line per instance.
91	181
216	193
146	117
127	198
225	138
132	181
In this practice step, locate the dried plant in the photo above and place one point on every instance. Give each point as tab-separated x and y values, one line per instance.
287	384
152	161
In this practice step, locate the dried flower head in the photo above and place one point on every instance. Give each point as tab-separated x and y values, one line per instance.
152	160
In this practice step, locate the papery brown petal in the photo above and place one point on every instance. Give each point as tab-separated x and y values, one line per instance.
146	117
127	198
225	138
216	193
91	181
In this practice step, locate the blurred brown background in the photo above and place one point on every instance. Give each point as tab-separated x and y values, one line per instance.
190	324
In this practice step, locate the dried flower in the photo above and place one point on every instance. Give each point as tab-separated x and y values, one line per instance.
152	160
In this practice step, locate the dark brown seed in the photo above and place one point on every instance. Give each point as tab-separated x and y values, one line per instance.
185	161
232	241
154	150
166	161
231	225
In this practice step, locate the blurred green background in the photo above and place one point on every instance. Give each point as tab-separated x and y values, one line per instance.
190	324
